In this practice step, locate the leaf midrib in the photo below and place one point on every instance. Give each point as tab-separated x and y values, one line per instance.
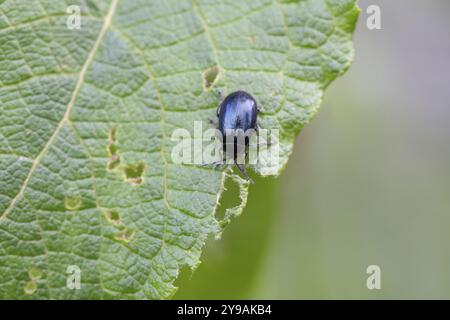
65	118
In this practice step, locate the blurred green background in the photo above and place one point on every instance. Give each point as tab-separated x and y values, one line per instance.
368	183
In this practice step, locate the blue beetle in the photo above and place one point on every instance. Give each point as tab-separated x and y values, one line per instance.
237	114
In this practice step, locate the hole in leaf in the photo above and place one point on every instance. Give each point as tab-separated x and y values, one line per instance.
72	203
230	198
112	134
30	287
241	185
113	150
133	172
210	76
113	216
125	235
185	274
114	162
35	274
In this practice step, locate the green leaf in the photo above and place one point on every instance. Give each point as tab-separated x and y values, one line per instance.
86	116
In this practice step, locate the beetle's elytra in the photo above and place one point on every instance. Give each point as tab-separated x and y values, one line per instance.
238	112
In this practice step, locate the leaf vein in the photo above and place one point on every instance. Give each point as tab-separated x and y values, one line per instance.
65	118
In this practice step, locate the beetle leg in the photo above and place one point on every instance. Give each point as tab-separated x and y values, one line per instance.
218	109
215	164
219	164
242	170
